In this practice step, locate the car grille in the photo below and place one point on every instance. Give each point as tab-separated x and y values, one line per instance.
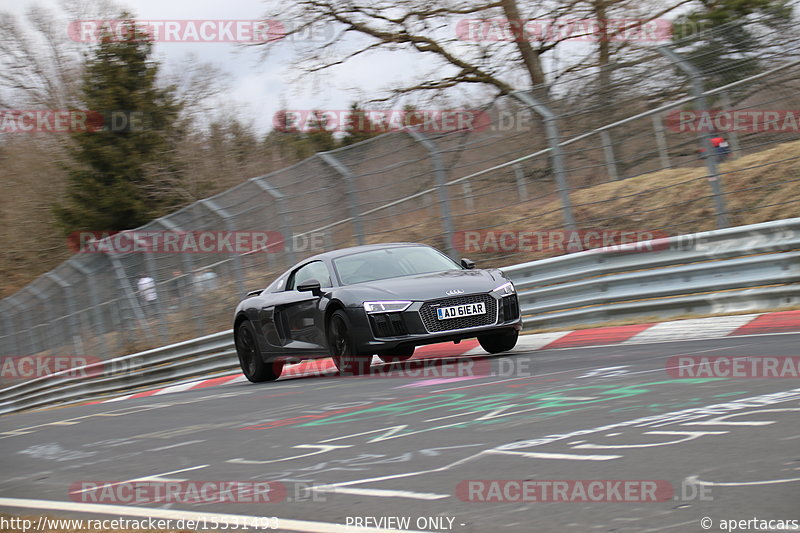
510	308
387	324
433	324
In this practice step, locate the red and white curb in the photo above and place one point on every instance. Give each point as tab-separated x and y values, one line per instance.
678	330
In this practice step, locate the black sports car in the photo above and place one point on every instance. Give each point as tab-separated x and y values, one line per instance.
377	299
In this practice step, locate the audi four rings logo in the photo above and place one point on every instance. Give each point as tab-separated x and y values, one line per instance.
453	292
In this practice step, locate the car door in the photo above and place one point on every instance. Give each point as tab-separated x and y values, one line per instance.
295	313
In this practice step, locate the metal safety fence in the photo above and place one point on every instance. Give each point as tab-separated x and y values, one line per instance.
595	158
745	268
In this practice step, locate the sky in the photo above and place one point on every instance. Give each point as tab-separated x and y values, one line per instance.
257	87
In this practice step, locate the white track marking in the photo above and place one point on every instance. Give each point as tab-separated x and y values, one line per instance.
178	388
321	448
672	527
687	436
475	351
696	481
537	341
692	329
188	442
605	372
156	477
547	455
118	398
737	337
284	524
382	493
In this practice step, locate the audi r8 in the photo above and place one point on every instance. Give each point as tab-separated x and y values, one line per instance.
382	300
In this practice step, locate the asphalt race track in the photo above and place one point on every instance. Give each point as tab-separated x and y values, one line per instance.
355	450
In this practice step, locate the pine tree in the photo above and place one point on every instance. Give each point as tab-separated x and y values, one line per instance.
113	183
359	127
730	53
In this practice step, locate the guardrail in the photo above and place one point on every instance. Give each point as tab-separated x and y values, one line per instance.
728	270
733	269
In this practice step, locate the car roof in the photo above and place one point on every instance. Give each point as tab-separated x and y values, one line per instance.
333	254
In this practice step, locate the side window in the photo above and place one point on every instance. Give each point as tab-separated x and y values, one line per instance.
316	270
277	285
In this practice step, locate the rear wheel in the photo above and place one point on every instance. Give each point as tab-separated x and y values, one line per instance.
342	348
397	355
253	366
499	342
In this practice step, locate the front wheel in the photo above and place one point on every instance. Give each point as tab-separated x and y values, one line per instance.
499	342
253	366
342	348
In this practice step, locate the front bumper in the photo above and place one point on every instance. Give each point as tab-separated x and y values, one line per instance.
418	325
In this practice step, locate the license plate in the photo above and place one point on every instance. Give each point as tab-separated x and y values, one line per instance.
457	311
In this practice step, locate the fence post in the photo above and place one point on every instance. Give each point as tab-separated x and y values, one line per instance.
736	148
97	314
188	272
130	295
72	318
469	199
47	304
709	154
608	151
522	186
554	140
10	346
237	259
283	213
186	258
661	141
149	265
18	337
352	201
441	187
26	325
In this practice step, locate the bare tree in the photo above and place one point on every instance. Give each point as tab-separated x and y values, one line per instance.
484	43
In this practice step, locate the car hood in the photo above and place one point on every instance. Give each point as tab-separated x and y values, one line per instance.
426	286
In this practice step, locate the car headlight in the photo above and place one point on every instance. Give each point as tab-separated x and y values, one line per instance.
386	307
504	289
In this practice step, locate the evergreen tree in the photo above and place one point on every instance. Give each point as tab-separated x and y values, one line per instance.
730	53
116	179
303	139
359	127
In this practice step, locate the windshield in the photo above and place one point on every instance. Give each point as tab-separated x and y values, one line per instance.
391	263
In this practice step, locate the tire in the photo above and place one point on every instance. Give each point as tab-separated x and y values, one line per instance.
342	349
499	342
253	366
397	355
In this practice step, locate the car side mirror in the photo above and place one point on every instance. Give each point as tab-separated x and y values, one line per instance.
312	286
467	263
